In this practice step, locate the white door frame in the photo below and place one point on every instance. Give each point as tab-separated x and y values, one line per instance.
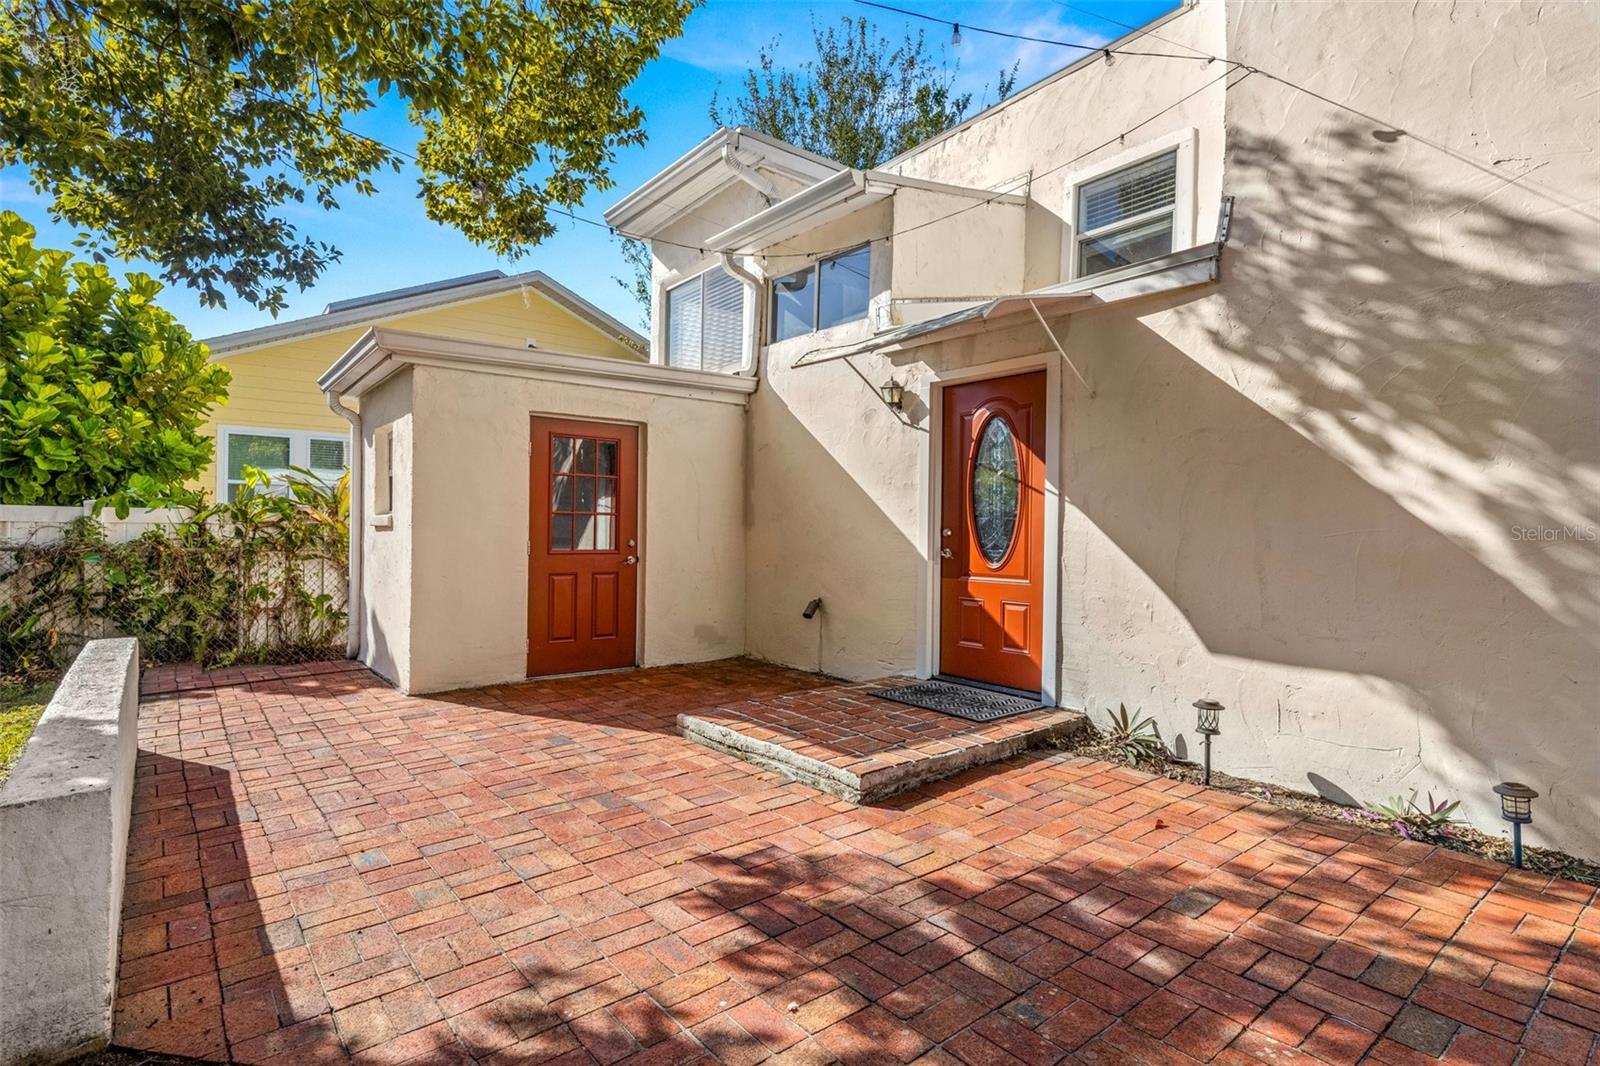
930	493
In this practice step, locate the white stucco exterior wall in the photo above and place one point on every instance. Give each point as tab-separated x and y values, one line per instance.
839	484
469	524
387	563
1352	490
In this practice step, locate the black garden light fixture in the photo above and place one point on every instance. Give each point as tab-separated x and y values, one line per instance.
894	395
1516	807
1207	723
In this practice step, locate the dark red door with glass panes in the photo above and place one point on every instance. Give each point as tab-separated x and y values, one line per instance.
991	538
583	546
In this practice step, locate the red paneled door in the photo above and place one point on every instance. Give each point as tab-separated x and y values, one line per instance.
583	546
991	536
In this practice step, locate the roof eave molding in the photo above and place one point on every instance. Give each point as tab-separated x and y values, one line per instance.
728	155
834	197
426	299
379	353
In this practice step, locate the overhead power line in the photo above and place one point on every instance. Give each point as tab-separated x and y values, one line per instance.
1130	27
1108	142
957	27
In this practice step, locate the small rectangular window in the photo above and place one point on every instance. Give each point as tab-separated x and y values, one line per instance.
281	454
263	450
1127	216
325	458
583	494
683	324
706	323
794	304
843	290
835	290
383	470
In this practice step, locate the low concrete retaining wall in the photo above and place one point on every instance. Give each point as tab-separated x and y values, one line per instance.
63	845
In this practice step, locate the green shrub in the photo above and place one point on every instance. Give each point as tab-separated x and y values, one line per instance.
256	579
102	393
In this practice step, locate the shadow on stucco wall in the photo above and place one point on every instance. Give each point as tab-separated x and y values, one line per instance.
1383	473
818	527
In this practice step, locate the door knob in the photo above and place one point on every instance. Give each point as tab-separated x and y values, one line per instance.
630	560
946	553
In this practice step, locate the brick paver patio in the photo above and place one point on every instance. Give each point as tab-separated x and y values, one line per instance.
851	744
322	870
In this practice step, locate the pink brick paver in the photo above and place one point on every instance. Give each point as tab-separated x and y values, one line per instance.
323	870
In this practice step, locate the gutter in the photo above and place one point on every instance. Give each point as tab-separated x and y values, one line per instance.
732	265
357	525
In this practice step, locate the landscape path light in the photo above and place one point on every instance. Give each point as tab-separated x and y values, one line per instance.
1208	724
1516	807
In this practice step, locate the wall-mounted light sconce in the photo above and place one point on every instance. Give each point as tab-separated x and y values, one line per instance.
1516	807
1208	723
894	395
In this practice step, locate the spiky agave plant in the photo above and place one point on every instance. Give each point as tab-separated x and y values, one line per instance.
1133	736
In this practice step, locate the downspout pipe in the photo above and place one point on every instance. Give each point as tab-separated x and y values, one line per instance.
358	500
731	264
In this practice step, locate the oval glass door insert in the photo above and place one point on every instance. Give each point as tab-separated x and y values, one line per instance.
996	490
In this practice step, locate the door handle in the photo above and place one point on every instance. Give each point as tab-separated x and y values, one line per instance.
946	553
630	560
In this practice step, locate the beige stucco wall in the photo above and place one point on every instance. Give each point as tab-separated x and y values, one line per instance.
469	523
386	563
1353	490
838	482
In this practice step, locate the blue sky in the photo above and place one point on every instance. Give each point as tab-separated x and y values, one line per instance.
387	241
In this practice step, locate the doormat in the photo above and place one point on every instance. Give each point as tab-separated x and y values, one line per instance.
962	701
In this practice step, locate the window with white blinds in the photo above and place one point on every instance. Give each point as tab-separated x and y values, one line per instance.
282	454
705	323
1127	216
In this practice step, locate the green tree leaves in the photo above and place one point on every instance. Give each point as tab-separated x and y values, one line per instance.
101	391
191	133
861	101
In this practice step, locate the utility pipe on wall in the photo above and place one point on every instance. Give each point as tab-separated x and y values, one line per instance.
358	499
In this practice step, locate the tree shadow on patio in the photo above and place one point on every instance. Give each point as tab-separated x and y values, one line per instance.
1104	917
212	958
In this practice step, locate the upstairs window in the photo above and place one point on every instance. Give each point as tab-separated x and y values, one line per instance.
705	323
1128	215
831	291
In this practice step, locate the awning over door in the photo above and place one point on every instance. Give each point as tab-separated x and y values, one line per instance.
1179	270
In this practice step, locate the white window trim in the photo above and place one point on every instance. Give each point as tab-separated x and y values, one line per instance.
1183	204
299	448
748	309
815	269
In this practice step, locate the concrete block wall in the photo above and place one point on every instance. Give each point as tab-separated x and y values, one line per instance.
64	814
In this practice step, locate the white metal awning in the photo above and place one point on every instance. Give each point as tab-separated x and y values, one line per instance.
833	197
1178	270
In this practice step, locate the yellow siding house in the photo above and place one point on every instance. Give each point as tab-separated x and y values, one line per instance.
275	416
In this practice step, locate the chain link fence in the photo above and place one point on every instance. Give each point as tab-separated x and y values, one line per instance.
254	581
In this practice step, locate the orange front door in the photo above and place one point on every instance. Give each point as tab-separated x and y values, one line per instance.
991	543
583	546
